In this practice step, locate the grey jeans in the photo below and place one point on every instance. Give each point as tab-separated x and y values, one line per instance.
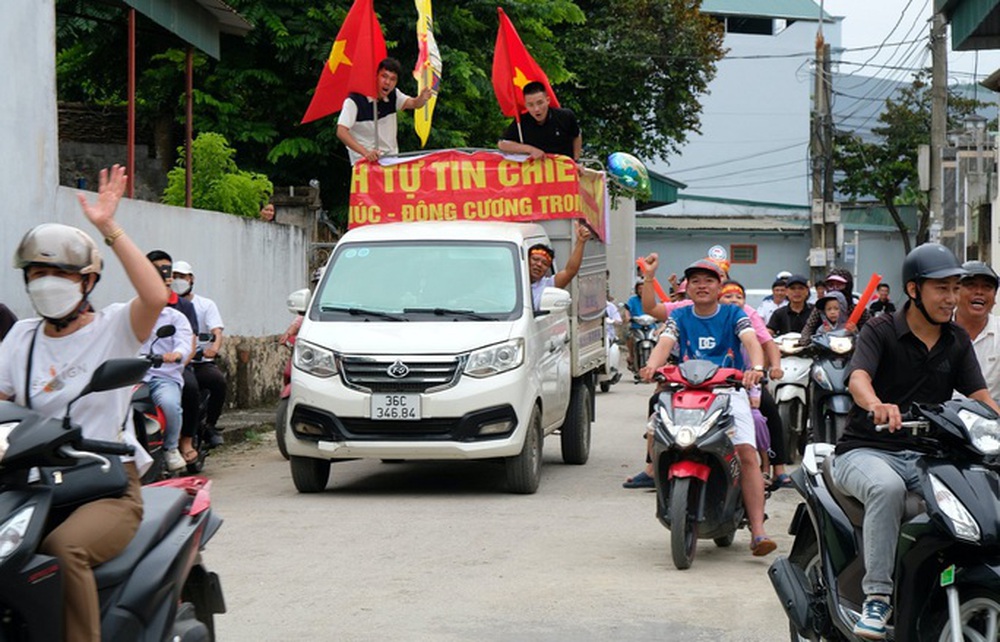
878	479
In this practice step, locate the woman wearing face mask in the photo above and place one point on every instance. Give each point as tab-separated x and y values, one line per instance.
46	362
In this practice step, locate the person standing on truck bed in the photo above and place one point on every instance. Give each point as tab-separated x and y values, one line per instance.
356	124
540	257
550	130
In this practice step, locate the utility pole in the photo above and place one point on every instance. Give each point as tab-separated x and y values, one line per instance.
824	213
939	123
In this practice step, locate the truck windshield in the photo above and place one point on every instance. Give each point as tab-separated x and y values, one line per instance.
422	281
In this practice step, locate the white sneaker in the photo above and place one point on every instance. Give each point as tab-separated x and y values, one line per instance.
875	614
174	460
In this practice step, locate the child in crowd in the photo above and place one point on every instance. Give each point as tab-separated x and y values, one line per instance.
833	308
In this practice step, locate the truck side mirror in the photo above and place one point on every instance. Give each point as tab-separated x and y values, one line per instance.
298	301
554	300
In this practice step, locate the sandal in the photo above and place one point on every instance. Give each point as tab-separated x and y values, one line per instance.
781	481
642	480
190	455
762	545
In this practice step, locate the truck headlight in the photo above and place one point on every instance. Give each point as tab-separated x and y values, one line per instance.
984	433
315	360
965	525
12	531
495	359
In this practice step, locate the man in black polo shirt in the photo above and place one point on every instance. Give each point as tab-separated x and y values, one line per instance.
550	130
882	304
915	355
792	317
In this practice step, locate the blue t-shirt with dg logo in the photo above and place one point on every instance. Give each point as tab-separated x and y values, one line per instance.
714	338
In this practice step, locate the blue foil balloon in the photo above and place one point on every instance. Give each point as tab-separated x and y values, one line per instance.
628	171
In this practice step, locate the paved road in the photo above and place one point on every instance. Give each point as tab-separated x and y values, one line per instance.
429	551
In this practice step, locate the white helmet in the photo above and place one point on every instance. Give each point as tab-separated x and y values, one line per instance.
60	246
783	275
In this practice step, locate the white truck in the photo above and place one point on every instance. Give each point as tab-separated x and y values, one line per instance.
421	342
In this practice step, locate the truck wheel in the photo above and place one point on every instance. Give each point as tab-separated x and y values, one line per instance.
280	419
310	475
575	431
525	469
605	386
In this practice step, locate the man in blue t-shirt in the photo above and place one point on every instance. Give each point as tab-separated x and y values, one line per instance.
714	332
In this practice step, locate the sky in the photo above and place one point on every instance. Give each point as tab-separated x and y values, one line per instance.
868	23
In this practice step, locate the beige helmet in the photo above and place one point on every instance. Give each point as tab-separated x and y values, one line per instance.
61	246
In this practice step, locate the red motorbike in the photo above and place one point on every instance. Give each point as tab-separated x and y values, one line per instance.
697	470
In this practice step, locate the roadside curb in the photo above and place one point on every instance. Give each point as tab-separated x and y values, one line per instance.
237	424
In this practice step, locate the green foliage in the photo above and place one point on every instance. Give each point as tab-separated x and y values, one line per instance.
216	182
633	72
886	167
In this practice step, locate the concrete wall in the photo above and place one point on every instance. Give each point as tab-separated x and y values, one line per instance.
28	146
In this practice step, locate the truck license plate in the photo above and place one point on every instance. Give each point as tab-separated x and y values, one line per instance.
397	407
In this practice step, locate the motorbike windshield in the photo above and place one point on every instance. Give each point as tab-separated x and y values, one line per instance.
421	281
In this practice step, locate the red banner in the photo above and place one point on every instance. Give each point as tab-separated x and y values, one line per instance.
477	186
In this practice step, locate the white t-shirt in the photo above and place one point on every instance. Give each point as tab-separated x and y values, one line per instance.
181	341
987	347
207	312
537	287
208	319
62	366
363	131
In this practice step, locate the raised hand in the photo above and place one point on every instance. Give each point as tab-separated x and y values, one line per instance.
111	187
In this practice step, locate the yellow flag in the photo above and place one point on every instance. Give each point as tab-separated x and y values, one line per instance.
428	69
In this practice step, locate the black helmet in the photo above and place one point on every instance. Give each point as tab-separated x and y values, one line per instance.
930	261
978	268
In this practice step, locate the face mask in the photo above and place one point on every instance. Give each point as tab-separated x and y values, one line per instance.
54	297
180	286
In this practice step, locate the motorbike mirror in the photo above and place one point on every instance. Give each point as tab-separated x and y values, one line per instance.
113	373
165	331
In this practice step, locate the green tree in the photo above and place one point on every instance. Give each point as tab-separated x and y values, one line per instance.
216	182
886	167
633	72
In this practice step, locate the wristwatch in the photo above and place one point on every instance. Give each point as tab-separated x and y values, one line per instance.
758	368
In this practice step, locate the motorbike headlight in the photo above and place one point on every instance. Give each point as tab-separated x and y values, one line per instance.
688	424
495	359
819	376
315	360
841	345
12	531
965	525
984	433
5	430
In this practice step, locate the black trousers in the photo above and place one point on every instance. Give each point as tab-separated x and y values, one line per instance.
211	378
769	409
190	400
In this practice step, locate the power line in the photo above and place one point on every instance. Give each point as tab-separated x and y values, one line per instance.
739	158
746	171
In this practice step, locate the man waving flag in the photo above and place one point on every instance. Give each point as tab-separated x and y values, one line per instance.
513	68
427	70
351	67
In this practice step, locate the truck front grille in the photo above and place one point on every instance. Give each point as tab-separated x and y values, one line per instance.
378	374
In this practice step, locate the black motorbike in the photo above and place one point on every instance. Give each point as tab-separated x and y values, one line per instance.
829	399
158	587
947	571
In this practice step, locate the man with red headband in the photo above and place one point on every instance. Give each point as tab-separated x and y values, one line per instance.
540	257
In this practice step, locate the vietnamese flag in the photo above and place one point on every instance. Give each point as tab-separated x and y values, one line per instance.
513	68
357	50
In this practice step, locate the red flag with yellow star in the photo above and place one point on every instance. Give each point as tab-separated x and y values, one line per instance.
513	68
353	61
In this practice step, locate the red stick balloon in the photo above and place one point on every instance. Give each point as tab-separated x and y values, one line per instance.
656	284
865	298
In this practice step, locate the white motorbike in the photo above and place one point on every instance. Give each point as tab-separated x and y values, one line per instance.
790	392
